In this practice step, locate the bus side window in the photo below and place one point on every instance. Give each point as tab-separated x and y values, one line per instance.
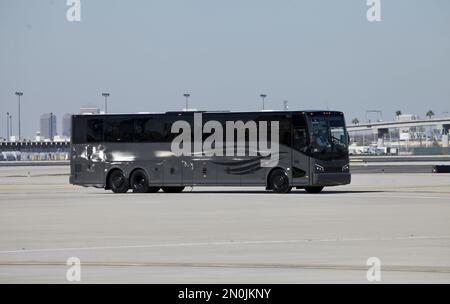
285	132
94	130
153	130
78	130
139	129
147	130
118	130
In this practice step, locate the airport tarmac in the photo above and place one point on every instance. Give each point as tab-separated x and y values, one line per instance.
224	235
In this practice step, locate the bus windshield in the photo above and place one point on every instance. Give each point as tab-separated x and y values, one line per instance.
329	138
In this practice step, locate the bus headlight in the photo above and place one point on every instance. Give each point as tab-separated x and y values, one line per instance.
346	168
319	168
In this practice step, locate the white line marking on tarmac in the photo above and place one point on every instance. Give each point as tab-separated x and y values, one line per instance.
389	268
226	243
401	196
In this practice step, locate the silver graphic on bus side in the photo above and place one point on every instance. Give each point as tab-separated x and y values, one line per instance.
241	139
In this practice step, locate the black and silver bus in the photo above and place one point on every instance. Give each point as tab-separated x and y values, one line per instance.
173	150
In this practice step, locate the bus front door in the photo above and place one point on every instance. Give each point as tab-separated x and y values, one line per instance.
300	160
300	169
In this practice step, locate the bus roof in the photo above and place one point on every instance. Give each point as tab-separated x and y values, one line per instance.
311	112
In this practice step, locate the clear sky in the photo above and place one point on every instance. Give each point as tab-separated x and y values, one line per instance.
147	53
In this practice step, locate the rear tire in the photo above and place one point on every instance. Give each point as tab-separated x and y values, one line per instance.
173	189
314	189
279	182
117	182
139	182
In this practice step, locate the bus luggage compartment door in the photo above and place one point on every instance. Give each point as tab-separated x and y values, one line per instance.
188	171
204	172
173	171
86	167
88	172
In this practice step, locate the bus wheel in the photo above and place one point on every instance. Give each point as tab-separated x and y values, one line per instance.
173	189
118	183
279	182
139	182
314	189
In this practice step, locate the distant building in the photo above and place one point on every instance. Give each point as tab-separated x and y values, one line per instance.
407	133
38	137
66	125
89	110
48	126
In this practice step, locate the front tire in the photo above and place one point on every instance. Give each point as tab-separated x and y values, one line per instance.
279	182
173	189
314	189
117	182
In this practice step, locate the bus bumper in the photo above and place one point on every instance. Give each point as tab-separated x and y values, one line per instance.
331	179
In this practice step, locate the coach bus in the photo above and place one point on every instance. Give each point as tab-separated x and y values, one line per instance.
173	150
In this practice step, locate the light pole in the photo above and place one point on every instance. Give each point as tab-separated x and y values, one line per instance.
263	96
10	125
186	95
106	95
7	126
285	105
19	94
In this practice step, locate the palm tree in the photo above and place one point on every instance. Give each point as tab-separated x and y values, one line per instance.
430	114
398	113
355	121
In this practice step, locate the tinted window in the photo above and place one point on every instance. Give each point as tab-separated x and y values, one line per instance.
285	131
119	130
78	130
148	130
166	122
94	130
284	124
